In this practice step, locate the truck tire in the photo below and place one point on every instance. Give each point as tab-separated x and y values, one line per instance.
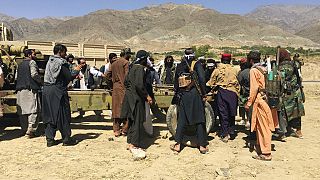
172	119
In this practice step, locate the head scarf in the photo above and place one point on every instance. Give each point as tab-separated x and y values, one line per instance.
284	55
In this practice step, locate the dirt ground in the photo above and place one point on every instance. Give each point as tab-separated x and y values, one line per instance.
100	156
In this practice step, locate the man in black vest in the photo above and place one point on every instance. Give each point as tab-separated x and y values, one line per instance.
27	87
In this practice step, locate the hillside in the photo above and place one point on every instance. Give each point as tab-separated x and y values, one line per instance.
24	28
163	27
311	32
291	18
4	17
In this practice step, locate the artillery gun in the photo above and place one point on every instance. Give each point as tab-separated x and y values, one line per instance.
12	54
5	33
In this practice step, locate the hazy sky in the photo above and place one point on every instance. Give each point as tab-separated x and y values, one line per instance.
43	8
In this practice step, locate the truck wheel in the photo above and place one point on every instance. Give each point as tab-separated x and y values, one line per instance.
172	119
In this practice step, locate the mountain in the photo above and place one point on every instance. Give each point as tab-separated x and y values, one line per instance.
24	28
291	18
158	28
311	32
4	17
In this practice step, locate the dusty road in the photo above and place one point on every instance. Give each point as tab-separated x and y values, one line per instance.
96	157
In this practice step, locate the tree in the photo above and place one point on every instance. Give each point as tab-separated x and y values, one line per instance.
203	50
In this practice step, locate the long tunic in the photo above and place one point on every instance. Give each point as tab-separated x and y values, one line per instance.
119	70
134	103
261	110
28	102
55	93
191	106
262	120
135	94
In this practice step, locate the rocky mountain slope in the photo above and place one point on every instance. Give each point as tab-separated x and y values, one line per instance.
291	18
4	17
163	27
311	32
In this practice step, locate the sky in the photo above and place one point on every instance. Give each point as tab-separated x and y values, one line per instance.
59	8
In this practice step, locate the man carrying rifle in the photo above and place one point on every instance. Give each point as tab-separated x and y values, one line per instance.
293	96
189	88
224	80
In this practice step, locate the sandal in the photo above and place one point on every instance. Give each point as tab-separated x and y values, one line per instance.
262	157
130	146
225	139
172	147
205	151
299	134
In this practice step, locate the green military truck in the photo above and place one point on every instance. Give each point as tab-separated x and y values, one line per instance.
11	53
85	100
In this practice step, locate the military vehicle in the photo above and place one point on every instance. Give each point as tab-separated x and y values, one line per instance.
12	53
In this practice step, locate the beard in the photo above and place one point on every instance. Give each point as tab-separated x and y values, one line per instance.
169	64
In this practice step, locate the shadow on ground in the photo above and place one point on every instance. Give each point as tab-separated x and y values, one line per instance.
82	137
7	135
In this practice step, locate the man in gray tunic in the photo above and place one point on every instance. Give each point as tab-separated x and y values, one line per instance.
27	87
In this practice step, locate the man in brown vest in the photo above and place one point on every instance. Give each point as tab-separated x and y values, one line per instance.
118	71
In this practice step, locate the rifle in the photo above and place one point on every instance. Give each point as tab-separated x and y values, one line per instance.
195	78
296	72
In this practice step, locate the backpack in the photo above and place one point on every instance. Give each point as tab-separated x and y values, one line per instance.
272	89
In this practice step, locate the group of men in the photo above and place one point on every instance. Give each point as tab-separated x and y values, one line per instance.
265	112
252	88
132	95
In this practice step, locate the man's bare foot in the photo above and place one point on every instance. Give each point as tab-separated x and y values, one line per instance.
117	133
204	150
130	146
299	134
176	147
263	157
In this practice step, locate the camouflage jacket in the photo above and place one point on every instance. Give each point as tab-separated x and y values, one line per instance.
164	76
292	96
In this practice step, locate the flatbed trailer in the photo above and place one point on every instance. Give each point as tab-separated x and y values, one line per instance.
94	100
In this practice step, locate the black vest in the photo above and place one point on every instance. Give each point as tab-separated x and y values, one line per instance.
24	79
